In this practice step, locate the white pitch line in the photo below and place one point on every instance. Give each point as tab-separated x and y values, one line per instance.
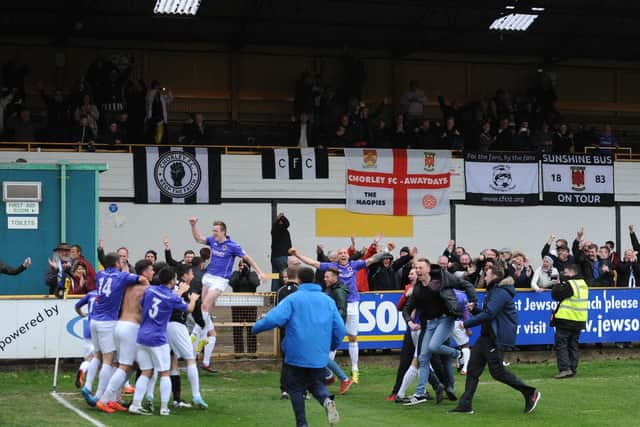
82	414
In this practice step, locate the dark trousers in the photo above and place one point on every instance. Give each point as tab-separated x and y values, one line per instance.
298	381
406	355
483	353
566	341
244	314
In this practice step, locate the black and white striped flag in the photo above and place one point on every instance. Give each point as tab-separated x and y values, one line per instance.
186	175
295	163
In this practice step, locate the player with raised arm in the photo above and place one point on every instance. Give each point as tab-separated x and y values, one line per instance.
216	280
111	286
347	272
158	304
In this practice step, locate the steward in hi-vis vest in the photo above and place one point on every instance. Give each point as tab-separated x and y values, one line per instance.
569	319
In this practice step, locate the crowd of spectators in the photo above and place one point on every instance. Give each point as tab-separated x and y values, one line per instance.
106	105
324	117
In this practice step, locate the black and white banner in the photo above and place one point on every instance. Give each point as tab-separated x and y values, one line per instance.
577	179
295	163
507	179
186	175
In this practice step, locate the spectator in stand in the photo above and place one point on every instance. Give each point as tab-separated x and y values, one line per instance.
594	267
381	134
244	280
75	253
563	140
584	137
426	136
187	256
6	97
280	245
342	136
58	114
451	139
503	103
303	98
382	275
466	269
13	76
84	133
520	270
157	108
400	136
629	269
151	256
413	101
614	259
59	268
196	132
363	128
135	96
542	139
123	126
113	137
89	109
522	139
22	127
607	142
301	132
605	277
505	136
486	139
113	101
330	110
544	276
79	89
78	276
561	258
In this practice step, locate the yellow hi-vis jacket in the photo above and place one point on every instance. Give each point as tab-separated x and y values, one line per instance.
576	307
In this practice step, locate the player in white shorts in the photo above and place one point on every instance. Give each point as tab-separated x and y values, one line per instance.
158	304
111	285
181	346
90	364
125	334
216	280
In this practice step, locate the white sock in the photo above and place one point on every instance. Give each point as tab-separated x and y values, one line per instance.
126	382
103	380
91	373
194	379
353	354
332	354
114	386
466	355
408	378
165	391
151	385
83	366
208	323
141	387
208	349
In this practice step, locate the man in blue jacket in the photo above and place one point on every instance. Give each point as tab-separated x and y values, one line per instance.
499	320
313	328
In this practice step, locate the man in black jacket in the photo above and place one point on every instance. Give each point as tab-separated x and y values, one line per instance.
280	245
433	295
244	280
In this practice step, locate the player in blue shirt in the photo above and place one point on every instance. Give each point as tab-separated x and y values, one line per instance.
111	284
90	364
216	280
347	271
158	303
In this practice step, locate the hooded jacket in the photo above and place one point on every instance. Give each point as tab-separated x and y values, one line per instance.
498	316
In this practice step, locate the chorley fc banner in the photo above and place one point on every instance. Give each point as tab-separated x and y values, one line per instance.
577	179
295	163
398	182
186	175
501	178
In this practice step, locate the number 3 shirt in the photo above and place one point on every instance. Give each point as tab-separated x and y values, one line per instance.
111	284
158	303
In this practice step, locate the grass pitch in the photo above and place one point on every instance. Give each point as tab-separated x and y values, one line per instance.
603	394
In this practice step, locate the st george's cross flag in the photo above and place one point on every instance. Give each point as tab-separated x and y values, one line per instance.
397	182
184	175
295	163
